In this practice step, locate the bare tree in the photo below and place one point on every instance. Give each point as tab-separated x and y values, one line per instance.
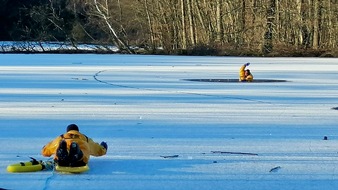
150	24
268	45
315	43
184	32
219	20
104	13
191	23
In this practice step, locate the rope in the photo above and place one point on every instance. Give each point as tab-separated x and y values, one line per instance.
49	166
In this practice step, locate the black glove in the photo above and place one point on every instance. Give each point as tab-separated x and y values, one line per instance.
104	144
247	64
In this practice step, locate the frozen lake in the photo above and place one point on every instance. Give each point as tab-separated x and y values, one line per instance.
223	135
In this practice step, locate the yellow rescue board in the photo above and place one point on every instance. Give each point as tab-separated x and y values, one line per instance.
25	167
35	165
67	169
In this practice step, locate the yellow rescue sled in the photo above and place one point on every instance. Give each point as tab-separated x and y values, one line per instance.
38	165
68	169
31	166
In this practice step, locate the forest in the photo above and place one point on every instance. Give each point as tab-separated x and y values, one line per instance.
179	27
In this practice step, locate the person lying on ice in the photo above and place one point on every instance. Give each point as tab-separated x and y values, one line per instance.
245	75
73	148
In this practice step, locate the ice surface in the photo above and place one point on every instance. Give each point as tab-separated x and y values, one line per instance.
145	110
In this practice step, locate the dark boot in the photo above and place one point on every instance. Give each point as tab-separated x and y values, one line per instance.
75	155
62	154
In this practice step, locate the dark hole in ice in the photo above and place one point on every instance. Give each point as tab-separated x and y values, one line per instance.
235	80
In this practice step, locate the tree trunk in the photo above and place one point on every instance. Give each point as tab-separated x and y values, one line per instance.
244	22
218	21
204	34
299	23
150	25
315	42
268	44
277	22
191	23
183	31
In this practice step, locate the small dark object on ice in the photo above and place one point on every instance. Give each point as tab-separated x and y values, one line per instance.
335	108
325	138
275	169
242	153
172	156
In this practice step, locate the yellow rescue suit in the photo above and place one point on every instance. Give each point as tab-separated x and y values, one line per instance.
242	76
87	145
